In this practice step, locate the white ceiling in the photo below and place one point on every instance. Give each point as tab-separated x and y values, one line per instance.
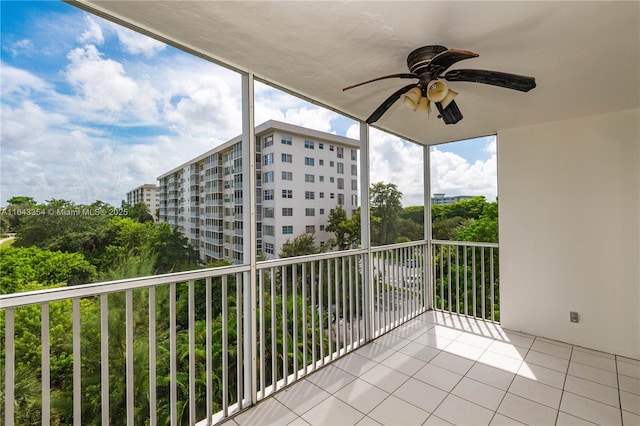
585	56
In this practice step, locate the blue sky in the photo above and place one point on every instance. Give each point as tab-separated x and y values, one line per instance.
91	110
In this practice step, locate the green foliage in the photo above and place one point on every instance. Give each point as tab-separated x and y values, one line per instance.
33	268
301	245
386	206
346	229
138	212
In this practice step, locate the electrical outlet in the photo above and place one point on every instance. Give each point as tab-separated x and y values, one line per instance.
573	316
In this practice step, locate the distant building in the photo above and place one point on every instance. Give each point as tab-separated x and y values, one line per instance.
301	174
147	194
441	199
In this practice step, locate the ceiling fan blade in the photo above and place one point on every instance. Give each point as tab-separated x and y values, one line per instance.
522	83
442	61
402	75
451	114
388	102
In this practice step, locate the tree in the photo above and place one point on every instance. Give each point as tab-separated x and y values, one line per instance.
484	229
345	229
138	212
386	205
301	245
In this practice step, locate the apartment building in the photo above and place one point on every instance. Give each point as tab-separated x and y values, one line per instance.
147	194
441	199
301	174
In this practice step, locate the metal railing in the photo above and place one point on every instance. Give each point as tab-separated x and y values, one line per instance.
466	278
200	346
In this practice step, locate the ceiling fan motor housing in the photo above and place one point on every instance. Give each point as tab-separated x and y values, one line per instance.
419	59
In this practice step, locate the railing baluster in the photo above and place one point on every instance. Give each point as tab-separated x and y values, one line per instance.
466	284
129	354
457	299
192	352
304	318
492	284
104	357
239	343
45	364
173	362
274	347
350	273
294	303
344	305
262	333
473	272
313	314
153	416
285	326
329	324
320	309
225	346
9	366
77	364
484	294
208	349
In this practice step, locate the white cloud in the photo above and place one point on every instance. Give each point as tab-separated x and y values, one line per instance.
20	47
93	32
453	175
135	43
17	83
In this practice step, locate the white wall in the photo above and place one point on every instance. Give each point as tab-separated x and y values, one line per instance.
569	200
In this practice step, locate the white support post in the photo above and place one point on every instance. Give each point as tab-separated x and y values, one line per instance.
249	237
365	233
428	256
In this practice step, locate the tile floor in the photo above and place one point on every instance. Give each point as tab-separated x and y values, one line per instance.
441	369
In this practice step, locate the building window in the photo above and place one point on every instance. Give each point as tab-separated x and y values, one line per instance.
340	152
340	199
287	158
331	164
268	230
310	229
340	183
309	178
309	195
331	147
287	229
268	212
309	161
267	177
287	193
321	178
354	154
320	145
266	160
340	168
287	175
309	212
322	195
269	248
354	200
354	170
331	179
287	211
286	139
321	211
332	195
321	162
308	144
268	194
268	141
354	184
322	227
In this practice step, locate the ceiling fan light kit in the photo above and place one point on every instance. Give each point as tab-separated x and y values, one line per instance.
427	64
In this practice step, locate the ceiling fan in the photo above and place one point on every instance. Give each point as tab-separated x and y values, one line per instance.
427	64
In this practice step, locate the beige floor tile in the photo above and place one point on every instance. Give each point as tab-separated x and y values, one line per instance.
592	390
630	402
546	360
505	363
464	350
462	412
361	395
268	412
479	393
508	349
332	412
593	359
438	377
627	367
502	420
551	349
452	362
527	411
597	375
434	420
481	342
420	351
629	384
420	394
491	376
565	419
354	364
630	419
331	378
385	378
301	396
403	363
536	391
588	409
394	411
542	374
